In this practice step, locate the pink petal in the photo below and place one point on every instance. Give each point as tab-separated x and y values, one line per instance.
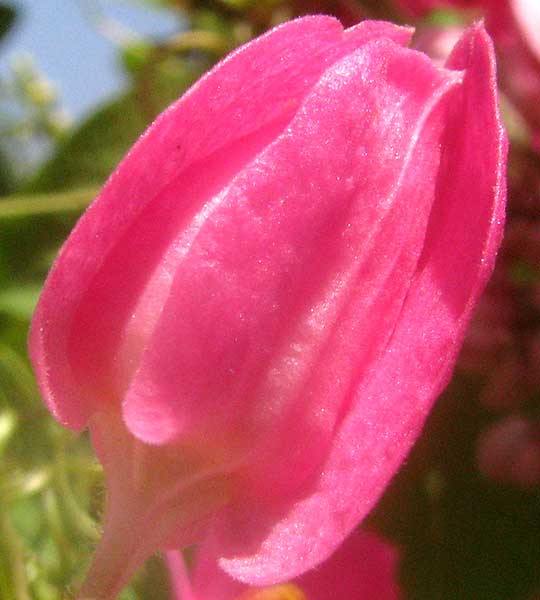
286	294
364	567
219	125
393	398
527	14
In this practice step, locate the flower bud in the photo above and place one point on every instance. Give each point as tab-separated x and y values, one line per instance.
256	314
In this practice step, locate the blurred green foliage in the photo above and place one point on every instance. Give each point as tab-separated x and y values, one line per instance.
7	18
51	486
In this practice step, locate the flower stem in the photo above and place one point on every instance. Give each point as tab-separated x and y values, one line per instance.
178	575
121	550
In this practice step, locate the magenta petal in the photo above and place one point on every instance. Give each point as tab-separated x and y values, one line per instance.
77	328
393	398
259	310
285	296
364	567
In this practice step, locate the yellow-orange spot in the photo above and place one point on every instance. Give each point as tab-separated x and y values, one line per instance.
286	591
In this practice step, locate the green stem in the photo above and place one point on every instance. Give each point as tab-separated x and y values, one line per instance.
12	569
18	206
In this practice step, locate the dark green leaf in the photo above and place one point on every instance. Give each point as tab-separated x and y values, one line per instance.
7	18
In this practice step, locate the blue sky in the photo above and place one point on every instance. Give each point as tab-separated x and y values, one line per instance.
62	39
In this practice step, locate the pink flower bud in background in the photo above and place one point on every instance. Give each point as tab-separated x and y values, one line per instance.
527	14
503	345
256	314
438	42
364	567
509	452
514	26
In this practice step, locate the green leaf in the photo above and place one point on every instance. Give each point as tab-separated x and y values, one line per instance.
135	55
8	425
446	17
20	301
16	380
91	152
7	18
6	176
29	205
13	582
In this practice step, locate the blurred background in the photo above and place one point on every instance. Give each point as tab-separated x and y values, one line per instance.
79	81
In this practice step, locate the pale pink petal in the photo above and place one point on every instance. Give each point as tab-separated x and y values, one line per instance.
527	14
177	165
393	398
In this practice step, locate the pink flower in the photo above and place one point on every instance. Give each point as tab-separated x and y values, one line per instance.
258	311
514	26
363	568
509	451
527	14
